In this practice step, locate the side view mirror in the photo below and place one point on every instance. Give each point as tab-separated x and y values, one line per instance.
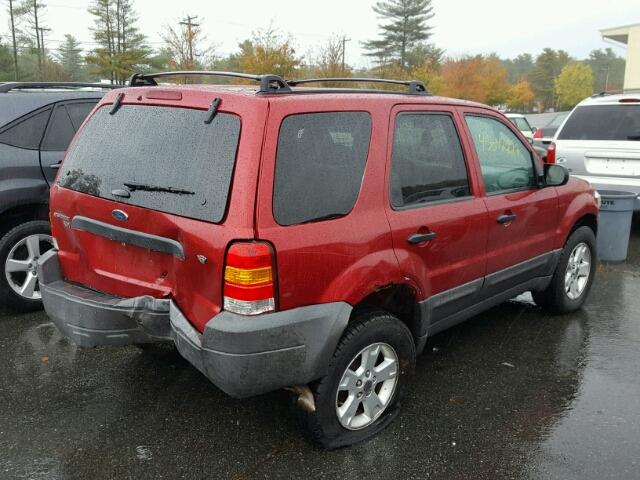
534	129
555	175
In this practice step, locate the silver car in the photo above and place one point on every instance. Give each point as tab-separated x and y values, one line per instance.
600	142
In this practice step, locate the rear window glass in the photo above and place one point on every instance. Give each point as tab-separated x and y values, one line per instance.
167	158
319	165
603	122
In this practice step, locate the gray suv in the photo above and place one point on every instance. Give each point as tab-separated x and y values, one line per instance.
37	123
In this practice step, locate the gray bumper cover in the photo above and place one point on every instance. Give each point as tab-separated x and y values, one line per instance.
92	318
242	355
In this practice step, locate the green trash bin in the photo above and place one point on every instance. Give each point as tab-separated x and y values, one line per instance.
614	225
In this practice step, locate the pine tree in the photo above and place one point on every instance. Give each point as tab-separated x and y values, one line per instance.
121	47
33	34
405	25
543	76
70	58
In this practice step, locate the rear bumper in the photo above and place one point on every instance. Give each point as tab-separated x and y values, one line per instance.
241	355
245	356
622	184
92	318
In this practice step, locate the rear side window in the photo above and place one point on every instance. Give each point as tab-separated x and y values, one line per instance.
506	164
427	164
64	123
78	112
167	158
27	133
319	165
603	122
60	131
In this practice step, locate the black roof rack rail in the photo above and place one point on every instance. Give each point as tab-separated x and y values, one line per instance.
268	83
9	86
415	87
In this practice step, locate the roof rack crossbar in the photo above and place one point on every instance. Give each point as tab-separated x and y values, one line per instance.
9	86
415	87
268	83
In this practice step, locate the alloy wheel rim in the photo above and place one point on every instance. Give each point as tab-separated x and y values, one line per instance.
578	270
367	386
20	267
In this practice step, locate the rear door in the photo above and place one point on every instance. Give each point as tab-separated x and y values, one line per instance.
522	216
438	218
144	203
65	121
20	171
319	198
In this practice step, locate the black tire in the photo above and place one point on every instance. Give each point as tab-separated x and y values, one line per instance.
7	295
322	427
554	298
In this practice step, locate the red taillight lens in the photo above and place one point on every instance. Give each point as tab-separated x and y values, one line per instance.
249	278
538	134
551	153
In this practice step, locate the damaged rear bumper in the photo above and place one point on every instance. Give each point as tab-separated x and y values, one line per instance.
92	318
243	356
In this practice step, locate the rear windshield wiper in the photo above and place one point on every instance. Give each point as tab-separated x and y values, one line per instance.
633	137
154	188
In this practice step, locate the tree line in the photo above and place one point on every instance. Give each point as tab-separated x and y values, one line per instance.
403	49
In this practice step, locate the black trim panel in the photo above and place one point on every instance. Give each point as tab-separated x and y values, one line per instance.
131	237
540	266
446	309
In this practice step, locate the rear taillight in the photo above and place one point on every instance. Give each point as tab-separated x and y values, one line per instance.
551	153
537	134
249	278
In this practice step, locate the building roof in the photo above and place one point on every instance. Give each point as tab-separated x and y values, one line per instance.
619	34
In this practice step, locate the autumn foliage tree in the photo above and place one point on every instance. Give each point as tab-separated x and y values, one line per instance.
520	96
268	51
574	84
478	78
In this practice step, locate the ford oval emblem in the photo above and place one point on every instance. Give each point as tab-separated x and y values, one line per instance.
119	215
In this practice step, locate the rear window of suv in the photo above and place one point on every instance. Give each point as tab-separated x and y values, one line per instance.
167	158
319	165
603	122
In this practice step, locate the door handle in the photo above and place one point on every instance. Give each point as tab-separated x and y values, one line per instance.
506	218
418	238
55	166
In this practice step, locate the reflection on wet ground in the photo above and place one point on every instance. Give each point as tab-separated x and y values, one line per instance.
512	393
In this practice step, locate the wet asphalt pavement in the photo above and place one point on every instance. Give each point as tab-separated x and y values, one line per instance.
511	394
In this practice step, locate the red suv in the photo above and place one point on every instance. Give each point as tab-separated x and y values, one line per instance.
308	238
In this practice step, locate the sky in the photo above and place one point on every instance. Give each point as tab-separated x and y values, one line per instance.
506	27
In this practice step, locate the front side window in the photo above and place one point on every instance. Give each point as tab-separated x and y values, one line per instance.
319	165
27	133
427	162
522	124
505	162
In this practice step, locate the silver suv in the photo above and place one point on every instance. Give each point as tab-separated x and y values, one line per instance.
600	142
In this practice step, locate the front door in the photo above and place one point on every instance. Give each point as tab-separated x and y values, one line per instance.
522	216
438	219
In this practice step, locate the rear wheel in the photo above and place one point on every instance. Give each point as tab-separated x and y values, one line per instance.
360	395
574	274
20	250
